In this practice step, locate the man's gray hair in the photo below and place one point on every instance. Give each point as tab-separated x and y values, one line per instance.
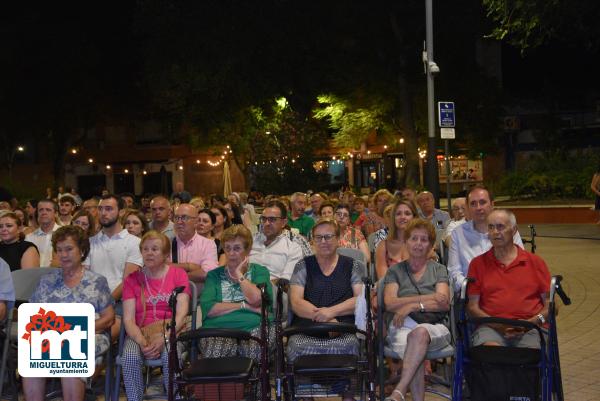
459	199
512	219
296	195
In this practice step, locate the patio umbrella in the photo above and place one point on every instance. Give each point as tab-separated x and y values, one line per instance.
226	180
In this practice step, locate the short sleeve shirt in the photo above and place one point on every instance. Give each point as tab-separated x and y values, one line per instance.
92	289
108	255
514	291
434	273
137	282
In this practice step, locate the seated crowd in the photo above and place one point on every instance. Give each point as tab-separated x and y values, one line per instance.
126	259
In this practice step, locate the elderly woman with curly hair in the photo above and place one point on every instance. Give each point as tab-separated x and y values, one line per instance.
72	283
375	219
231	298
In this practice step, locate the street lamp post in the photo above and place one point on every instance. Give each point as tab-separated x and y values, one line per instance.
432	178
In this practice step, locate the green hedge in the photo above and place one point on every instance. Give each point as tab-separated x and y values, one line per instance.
552	176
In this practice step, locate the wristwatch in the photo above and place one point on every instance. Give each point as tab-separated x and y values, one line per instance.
541	318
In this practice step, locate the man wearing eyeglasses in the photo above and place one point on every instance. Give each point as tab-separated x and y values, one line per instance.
272	247
194	253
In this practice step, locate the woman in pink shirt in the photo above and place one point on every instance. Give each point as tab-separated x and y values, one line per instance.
146	307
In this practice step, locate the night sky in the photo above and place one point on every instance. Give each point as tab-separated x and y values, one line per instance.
72	65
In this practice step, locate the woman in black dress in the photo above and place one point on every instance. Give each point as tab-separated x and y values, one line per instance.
18	253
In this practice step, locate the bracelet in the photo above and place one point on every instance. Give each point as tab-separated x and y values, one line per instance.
243	305
421	306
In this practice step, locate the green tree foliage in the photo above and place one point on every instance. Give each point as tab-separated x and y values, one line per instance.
274	146
530	23
351	124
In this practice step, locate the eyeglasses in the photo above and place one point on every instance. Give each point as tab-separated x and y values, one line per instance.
270	219
342	215
183	218
326	238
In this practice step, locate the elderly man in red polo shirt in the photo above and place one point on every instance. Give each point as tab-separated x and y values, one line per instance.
509	283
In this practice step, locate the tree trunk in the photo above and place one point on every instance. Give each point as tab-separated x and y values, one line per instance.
407	121
411	139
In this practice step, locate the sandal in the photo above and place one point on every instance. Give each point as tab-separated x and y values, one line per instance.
390	398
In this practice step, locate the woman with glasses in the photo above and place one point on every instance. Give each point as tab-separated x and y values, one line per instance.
231	299
350	237
324	288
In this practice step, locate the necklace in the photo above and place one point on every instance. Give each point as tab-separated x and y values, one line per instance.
69	278
156	298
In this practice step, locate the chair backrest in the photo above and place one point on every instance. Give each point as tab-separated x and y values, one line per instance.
26	281
352	253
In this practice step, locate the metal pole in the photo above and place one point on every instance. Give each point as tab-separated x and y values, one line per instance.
448	177
432	181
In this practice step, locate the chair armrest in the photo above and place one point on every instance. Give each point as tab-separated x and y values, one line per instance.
509	322
205	333
321	328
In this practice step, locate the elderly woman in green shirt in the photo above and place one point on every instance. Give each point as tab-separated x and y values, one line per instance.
231	298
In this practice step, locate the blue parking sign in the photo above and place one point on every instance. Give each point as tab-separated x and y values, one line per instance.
446	116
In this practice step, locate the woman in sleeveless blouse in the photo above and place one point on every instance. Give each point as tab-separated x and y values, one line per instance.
393	250
324	288
18	253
